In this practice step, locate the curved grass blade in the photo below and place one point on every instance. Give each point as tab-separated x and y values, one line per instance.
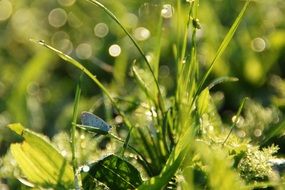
160	99
222	80
88	73
76	64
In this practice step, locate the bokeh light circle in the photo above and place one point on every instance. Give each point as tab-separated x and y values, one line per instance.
57	17
66	2
6	10
84	51
101	30
115	50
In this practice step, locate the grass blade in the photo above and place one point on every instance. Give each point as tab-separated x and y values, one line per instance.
224	45
222	80
73	130
236	119
160	99
88	73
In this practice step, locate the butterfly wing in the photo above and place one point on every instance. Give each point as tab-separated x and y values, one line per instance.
98	124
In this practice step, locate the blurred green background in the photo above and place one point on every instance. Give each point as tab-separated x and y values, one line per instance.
37	88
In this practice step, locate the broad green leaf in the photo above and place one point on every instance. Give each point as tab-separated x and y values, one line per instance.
40	162
113	171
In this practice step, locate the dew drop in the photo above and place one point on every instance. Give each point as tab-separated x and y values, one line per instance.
85	168
118	119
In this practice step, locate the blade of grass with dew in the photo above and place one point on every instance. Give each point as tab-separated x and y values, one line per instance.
73	130
88	73
160	99
222	80
223	46
236	119
180	53
192	68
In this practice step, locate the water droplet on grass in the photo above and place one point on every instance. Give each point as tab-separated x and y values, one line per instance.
85	168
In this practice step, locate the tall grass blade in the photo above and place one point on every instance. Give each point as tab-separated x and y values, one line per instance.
73	130
160	100
236	118
224	45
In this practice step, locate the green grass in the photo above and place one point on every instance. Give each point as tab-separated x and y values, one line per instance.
182	140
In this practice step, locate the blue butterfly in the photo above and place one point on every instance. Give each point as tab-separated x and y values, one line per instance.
93	123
